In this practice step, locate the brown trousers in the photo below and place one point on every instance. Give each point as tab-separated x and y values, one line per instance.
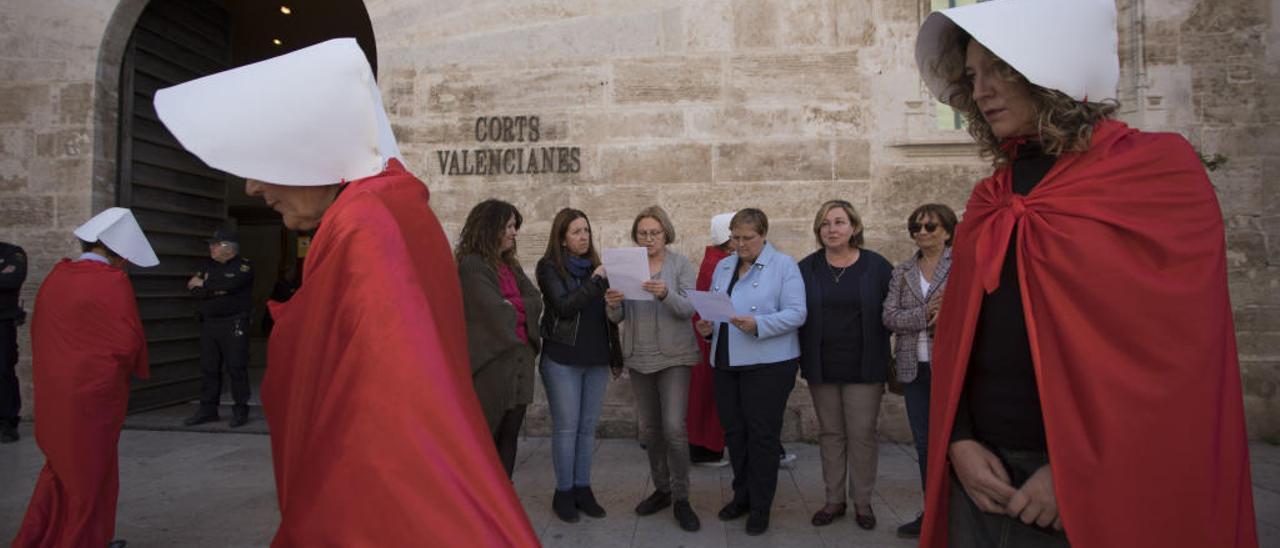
847	414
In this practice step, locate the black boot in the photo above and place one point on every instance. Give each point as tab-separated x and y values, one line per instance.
685	516
757	523
912	529
9	430
657	501
585	500
240	416
562	504
202	416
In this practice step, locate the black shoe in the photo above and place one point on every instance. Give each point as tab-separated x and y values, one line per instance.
733	511
585	500
911	530
562	504
9	434
657	501
118	543
685	516
757	523
240	419
200	418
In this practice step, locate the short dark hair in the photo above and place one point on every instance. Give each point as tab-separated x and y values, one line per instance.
483	231
944	214
753	218
560	227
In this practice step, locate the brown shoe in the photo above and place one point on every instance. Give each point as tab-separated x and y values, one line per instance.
866	521
824	518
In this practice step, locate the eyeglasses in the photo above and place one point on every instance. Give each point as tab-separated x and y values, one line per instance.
649	235
913	228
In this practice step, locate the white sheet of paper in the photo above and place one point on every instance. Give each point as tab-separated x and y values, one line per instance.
713	307
628	268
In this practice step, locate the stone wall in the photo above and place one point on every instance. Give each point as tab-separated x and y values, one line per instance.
701	106
59	67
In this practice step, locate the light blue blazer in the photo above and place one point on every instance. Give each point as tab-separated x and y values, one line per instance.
773	292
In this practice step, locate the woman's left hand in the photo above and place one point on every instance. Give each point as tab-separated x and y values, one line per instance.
1035	502
657	287
745	323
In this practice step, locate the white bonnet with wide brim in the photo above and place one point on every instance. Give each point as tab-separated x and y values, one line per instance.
720	228
1065	45
311	117
119	231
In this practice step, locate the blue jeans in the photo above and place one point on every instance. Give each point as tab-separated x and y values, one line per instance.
916	393
575	395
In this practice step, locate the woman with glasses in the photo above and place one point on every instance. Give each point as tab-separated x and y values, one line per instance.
576	356
754	354
659	349
845	357
911	312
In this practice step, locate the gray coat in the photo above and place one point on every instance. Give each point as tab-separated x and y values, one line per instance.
905	309
676	336
501	365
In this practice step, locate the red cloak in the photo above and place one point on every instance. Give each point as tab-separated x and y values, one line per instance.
1122	264
86	339
702	420
376	434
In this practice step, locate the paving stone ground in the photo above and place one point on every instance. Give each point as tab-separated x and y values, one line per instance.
193	489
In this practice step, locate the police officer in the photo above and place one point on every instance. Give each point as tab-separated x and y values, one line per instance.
224	286
13	271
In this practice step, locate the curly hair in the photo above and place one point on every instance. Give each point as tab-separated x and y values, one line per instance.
483	232
1063	124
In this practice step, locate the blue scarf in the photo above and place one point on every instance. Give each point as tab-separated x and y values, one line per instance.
578	267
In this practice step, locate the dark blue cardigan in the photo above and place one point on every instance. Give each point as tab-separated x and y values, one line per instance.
875	336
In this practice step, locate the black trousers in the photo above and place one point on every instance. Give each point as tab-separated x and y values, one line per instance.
970	527
224	344
751	405
10	397
507	435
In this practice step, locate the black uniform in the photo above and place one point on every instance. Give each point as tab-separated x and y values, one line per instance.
226	301
13	271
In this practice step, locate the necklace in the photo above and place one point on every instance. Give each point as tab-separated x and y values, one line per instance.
836	276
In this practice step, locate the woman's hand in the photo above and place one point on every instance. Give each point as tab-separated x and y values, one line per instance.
745	323
599	272
613	297
657	287
931	311
982	475
704	328
1035	502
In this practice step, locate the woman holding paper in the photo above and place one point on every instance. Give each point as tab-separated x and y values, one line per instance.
754	355
660	348
577	352
845	356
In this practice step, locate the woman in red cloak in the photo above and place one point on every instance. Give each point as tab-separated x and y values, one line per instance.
1078	403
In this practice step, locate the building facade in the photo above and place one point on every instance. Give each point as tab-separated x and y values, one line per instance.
701	106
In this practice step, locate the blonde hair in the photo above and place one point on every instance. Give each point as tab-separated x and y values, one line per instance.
658	214
1063	124
856	240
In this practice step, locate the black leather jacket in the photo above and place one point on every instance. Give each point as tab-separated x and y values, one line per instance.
562	302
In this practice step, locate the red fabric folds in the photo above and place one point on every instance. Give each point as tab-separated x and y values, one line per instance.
702	420
86	339
377	437
1121	259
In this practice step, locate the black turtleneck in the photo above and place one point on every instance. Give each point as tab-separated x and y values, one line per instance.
1000	404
